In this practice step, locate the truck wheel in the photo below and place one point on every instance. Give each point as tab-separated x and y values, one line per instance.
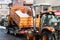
15	34
11	32
8	31
47	36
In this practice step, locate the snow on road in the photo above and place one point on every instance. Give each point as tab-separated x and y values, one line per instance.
2	27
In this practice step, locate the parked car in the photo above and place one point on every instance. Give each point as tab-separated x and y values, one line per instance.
4	21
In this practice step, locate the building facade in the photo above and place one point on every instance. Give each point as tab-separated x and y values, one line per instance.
4	8
55	3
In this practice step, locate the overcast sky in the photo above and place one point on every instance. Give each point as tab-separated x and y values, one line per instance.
52	2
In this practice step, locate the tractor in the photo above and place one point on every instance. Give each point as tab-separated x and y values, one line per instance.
47	21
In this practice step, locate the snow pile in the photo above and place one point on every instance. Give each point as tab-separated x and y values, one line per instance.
2	27
18	12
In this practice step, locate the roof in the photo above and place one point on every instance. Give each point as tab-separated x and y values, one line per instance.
42	4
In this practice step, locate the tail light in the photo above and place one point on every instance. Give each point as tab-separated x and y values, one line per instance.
22	32
29	31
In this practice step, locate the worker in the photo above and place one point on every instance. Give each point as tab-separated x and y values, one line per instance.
29	12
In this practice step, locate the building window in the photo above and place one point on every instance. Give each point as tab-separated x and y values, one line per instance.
56	8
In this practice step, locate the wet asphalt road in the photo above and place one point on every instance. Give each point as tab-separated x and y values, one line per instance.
5	36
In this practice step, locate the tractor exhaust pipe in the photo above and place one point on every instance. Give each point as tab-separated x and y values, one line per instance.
34	18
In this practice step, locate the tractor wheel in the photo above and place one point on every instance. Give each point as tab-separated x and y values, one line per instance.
47	36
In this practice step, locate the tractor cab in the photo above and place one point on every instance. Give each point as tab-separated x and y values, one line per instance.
46	14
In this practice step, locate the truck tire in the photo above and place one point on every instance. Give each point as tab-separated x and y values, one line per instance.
15	34
11	32
8	31
47	36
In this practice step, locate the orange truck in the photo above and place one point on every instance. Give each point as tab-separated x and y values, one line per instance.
24	20
21	23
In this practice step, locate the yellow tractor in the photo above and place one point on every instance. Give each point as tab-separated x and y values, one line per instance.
47	17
